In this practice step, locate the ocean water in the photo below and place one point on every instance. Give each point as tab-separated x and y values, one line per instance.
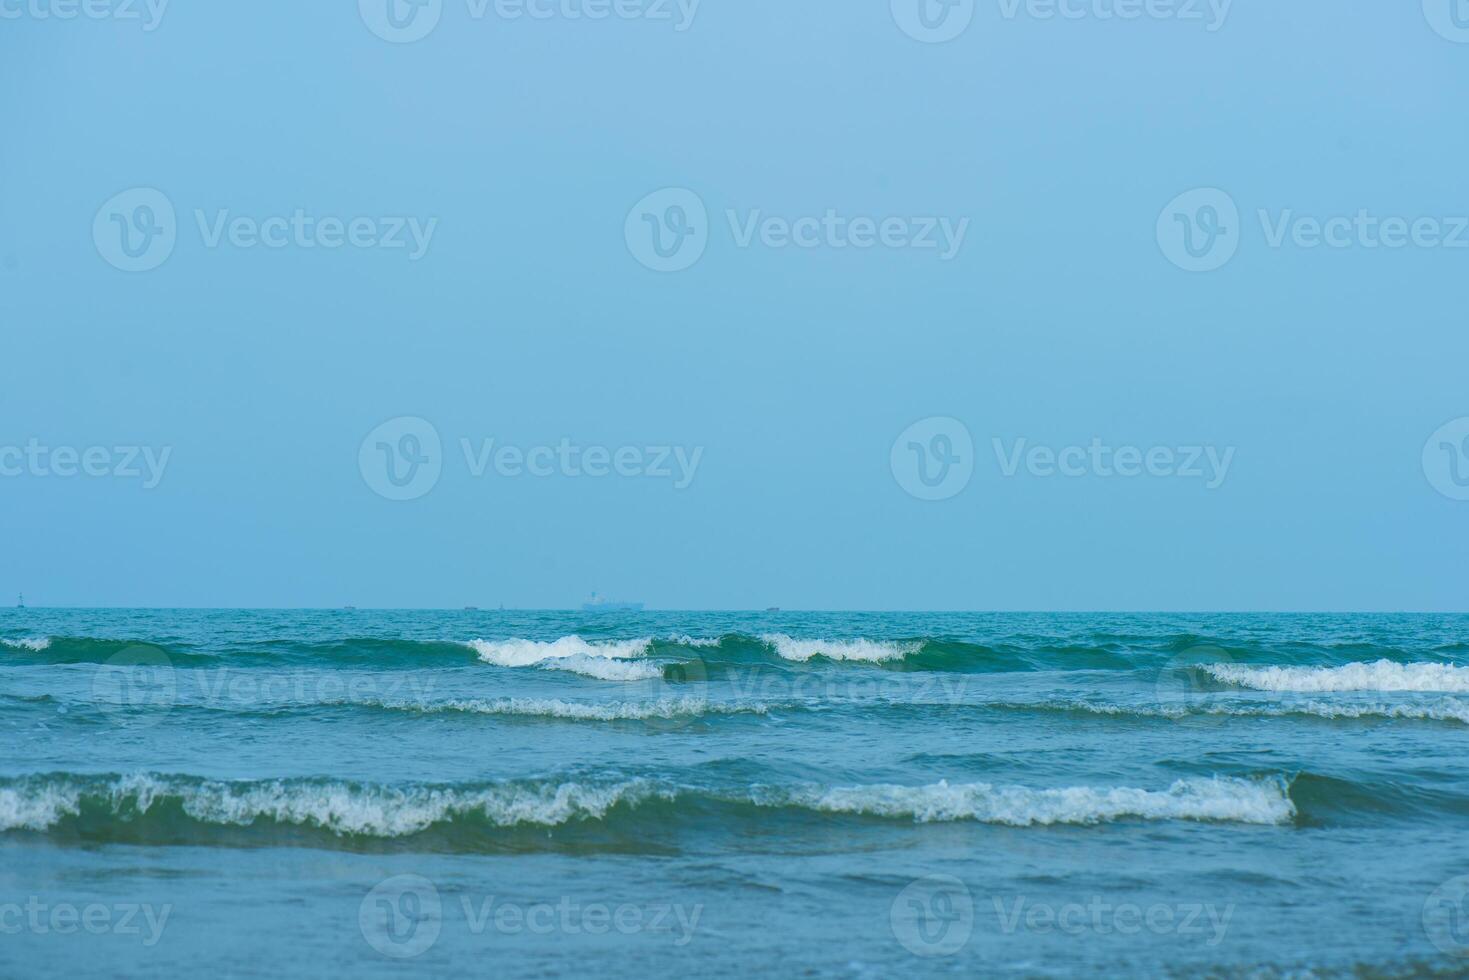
375	793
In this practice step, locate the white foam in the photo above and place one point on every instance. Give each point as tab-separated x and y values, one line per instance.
35	644
664	708
392	812
870	651
1445	709
684	640
341	808
23	808
608	660
1383	675
1220	798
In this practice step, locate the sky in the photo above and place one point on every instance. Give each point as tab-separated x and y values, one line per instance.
870	304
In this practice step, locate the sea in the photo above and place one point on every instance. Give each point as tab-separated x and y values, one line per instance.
375	793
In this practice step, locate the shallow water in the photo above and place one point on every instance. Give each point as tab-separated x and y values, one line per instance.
371	792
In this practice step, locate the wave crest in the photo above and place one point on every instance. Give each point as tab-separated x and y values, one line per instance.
1381	675
1219	799
868	651
35	644
608	660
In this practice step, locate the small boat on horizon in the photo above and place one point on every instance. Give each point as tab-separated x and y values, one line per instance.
599	604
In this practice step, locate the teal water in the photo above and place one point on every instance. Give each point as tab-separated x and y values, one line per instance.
369	793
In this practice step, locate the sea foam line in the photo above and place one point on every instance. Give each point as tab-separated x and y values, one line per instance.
35	644
40	802
662	708
341	808
869	651
1219	799
1445	709
608	660
1382	675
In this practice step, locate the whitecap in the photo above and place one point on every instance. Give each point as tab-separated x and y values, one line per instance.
1382	675
608	660
870	651
1219	799
35	644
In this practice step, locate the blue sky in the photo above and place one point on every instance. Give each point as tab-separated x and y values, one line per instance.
528	152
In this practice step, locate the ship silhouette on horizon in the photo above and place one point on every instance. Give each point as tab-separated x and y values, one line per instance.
599	604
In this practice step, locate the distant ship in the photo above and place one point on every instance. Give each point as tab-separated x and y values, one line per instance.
599	604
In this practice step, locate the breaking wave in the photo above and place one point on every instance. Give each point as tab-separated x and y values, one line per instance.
870	651
151	808
1381	675
608	660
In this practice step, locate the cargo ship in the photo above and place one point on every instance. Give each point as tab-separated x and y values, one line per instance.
598	604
